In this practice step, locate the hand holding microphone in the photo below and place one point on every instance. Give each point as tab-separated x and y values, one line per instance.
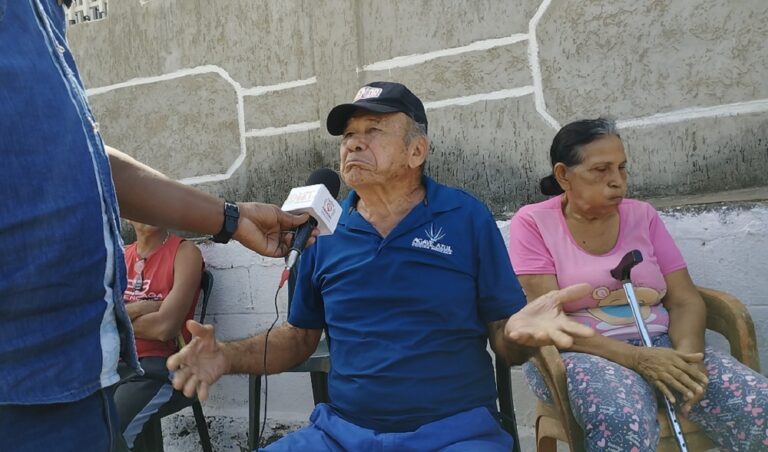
261	227
318	199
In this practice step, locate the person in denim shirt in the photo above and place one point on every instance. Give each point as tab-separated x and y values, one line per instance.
63	324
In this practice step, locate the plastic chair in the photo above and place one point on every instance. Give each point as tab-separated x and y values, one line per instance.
725	315
319	365
151	437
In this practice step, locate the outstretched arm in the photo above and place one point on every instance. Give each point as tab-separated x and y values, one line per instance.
204	360
541	322
662	367
687	322
147	196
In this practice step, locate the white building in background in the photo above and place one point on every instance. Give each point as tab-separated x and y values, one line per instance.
86	10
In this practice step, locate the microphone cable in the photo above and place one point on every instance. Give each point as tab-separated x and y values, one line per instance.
266	379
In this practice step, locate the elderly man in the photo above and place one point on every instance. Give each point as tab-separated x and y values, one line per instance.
411	286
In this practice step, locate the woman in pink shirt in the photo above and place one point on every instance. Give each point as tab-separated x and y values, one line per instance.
578	236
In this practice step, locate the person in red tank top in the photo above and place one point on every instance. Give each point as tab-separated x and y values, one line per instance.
164	272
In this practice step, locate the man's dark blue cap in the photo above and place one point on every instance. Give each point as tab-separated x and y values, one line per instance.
379	97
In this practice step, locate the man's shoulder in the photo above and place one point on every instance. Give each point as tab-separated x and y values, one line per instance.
458	197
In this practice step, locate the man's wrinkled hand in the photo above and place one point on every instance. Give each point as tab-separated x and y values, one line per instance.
199	364
264	228
542	321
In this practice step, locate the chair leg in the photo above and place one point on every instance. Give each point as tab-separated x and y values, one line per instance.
254	410
202	427
319	387
545	444
151	437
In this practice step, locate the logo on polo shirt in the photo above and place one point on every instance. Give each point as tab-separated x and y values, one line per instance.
432	241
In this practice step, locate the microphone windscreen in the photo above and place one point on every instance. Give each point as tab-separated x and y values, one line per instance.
327	177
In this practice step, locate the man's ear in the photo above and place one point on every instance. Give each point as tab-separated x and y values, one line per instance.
561	175
418	151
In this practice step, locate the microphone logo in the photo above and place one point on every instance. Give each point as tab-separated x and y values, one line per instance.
329	207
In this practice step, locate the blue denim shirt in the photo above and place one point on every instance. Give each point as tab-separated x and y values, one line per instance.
63	324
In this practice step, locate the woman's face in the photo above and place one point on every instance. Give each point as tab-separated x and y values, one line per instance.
600	180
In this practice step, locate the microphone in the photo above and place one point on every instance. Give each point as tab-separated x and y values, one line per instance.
318	199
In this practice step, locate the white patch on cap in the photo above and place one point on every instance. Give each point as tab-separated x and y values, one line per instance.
367	92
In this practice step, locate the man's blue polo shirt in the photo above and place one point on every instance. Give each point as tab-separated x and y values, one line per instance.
407	314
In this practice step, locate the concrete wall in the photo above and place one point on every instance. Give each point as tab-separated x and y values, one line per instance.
233	97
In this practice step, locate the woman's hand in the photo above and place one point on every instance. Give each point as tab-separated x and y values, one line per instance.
138	308
689	403
667	369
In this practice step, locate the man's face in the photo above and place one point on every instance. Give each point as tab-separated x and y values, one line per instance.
373	149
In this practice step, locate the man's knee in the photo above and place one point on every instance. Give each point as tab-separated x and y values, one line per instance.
307	438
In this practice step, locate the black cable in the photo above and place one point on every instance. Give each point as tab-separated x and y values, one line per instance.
266	380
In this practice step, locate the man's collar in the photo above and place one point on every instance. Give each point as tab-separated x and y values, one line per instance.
436	199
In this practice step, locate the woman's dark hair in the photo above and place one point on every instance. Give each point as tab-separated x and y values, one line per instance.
566	146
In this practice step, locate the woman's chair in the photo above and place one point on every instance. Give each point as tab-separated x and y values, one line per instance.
725	315
151	438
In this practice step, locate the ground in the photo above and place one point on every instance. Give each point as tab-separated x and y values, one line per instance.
228	434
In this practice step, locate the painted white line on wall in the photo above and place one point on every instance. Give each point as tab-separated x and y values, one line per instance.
533	63
418	58
259	90
291	128
466	100
687	114
240	92
198	70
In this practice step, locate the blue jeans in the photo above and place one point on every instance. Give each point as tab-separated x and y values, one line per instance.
90	424
475	430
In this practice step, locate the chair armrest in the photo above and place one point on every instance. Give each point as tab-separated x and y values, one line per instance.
729	317
547	359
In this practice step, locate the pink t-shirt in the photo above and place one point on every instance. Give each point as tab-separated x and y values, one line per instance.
541	244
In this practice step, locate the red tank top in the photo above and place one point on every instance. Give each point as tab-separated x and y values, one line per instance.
152	279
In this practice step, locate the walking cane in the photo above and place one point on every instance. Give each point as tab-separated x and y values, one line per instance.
621	272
